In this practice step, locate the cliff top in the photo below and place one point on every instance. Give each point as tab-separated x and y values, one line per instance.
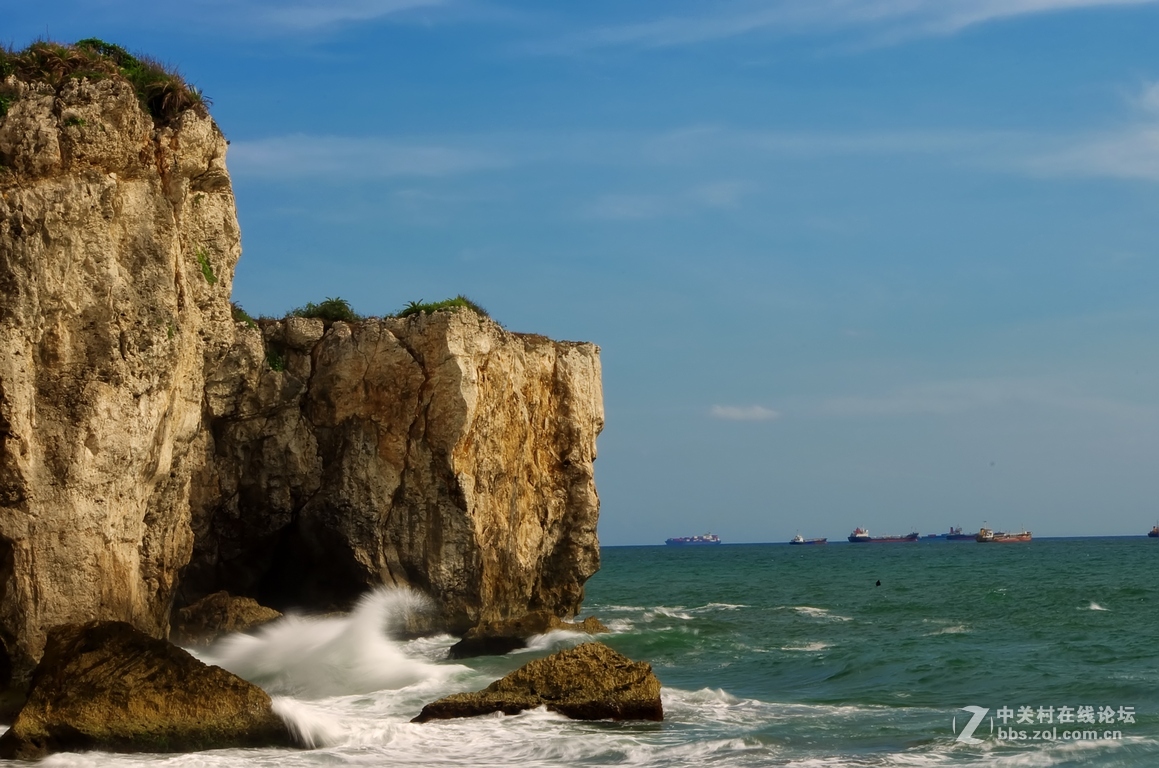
163	92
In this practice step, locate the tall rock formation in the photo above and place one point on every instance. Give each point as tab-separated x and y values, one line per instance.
437	451
300	463
118	240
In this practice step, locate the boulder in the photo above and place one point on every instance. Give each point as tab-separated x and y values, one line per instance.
108	686
219	614
494	638
588	682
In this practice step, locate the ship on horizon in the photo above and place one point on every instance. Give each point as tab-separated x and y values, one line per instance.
861	536
693	541
987	536
801	540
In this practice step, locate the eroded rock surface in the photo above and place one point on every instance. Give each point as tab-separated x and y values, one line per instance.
118	241
588	682
108	686
217	615
498	637
439	452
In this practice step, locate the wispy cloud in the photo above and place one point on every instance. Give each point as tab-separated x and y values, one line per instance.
343	158
960	396
313	15
743	413
1130	152
624	207
882	20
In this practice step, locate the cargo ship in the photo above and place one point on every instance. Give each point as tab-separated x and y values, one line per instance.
861	536
799	539
1154	532
987	536
693	541
956	534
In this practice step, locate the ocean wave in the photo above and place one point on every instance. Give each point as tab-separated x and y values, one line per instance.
808	647
555	640
818	613
1095	607
318	657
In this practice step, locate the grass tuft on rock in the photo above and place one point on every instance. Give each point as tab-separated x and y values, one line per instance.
162	90
459	302
330	310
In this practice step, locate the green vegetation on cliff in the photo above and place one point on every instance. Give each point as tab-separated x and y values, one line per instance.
460	301
329	310
163	92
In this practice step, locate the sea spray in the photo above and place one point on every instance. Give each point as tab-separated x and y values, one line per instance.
315	657
311	726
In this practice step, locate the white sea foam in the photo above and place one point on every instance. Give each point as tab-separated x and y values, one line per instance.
819	613
807	647
311	726
554	640
1096	607
315	657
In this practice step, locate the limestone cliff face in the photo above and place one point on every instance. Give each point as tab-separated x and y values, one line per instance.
150	453
118	240
438	451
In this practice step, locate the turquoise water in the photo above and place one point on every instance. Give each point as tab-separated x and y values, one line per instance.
837	670
770	655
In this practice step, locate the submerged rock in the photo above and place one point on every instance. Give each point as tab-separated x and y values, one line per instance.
108	686
219	614
495	638
588	682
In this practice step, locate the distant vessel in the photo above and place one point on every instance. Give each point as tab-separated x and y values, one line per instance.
861	536
799	539
956	534
692	541
986	536
1154	532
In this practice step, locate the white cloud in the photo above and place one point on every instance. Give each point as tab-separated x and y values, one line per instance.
743	413
961	396
884	20
342	158
312	15
628	207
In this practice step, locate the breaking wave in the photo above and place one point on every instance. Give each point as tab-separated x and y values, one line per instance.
315	657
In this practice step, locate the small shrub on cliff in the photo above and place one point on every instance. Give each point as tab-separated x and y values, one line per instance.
240	315
206	267
163	93
329	310
459	302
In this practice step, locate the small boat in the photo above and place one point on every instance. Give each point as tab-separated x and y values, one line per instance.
861	536
693	541
1154	532
799	539
987	536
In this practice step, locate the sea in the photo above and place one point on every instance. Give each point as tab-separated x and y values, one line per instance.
932	653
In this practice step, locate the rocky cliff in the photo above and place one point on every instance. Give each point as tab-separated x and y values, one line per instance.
438	451
153	450
118	240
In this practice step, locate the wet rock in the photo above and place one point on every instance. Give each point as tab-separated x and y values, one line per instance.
108	686
219	614
588	682
494	638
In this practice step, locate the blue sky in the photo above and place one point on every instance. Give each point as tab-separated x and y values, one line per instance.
888	263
